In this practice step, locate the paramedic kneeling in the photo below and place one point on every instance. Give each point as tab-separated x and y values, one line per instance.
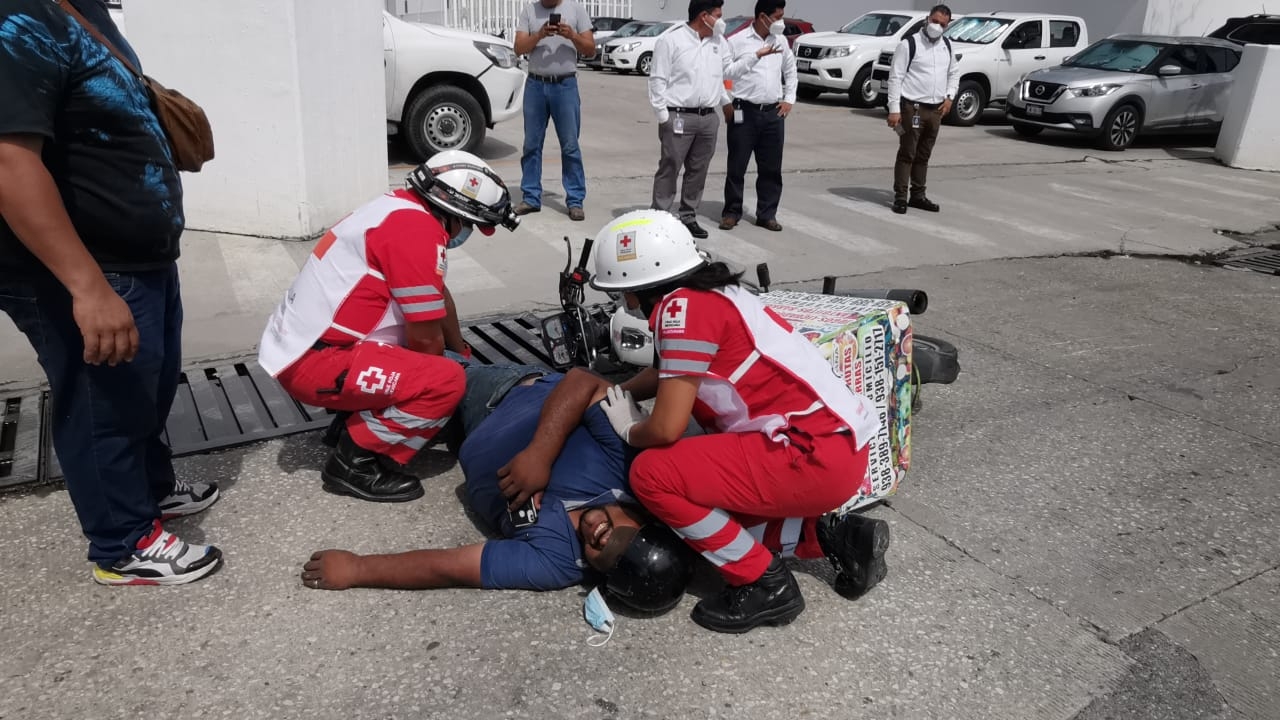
787	438
364	327
586	520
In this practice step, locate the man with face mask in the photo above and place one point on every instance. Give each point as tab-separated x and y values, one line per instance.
763	93
922	83
364	327
686	90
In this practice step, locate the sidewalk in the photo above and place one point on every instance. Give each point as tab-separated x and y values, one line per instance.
1088	530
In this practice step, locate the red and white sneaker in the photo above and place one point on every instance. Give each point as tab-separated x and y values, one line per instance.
162	558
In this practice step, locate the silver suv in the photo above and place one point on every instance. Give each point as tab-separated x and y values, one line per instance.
1126	85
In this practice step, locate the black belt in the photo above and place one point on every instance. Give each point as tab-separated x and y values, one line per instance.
770	107
552	78
691	111
926	106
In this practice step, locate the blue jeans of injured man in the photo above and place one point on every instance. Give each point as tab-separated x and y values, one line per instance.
108	421
486	386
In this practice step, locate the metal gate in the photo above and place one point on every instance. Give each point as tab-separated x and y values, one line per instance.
498	17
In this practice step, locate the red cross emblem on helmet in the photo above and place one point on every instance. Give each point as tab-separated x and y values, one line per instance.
626	246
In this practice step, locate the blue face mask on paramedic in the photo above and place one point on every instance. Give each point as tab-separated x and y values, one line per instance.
461	237
599	616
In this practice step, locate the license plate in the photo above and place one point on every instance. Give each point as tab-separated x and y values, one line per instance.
803	64
1035	110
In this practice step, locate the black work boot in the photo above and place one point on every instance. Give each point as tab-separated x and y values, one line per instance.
774	599
352	470
334	431
855	545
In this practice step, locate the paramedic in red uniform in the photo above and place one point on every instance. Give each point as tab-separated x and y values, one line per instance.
787	439
364	328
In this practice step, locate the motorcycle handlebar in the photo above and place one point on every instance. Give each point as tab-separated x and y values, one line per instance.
586	253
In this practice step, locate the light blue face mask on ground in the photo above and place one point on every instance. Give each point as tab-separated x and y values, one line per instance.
599	616
461	237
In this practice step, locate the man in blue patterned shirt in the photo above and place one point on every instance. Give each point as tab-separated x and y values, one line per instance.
90	217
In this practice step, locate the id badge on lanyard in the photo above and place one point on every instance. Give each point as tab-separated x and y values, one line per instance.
915	119
677	124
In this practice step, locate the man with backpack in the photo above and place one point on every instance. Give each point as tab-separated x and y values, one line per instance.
922	84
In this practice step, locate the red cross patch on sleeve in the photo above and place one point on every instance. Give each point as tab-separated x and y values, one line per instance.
626	246
673	314
442	261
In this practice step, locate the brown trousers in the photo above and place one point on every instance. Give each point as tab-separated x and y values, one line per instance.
915	147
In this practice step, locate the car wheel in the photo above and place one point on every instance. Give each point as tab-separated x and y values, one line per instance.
808	93
864	92
970	101
1026	130
644	63
443	118
1121	127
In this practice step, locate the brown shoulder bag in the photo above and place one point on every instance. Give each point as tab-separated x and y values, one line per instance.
185	124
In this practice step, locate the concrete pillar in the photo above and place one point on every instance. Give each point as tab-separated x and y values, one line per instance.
295	92
1249	138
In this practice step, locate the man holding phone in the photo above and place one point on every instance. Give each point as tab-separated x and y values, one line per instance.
553	33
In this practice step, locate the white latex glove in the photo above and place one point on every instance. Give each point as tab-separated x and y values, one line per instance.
621	409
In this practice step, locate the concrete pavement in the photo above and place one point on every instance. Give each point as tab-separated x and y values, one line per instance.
1088	529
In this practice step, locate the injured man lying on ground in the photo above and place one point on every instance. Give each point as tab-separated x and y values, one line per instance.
521	422
521	430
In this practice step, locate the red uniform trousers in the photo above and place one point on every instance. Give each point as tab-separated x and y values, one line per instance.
726	492
399	398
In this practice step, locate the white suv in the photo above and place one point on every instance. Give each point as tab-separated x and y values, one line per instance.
445	86
995	50
842	61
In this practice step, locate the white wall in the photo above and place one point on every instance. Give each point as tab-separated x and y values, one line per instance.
294	90
1249	138
1198	17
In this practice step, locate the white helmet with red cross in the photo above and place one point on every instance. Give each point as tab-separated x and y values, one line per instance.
462	184
644	249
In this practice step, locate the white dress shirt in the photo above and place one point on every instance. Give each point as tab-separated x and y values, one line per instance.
689	71
766	80
933	76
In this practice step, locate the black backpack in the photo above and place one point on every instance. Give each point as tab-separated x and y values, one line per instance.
911	49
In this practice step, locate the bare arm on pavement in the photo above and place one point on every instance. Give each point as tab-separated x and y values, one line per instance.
413	570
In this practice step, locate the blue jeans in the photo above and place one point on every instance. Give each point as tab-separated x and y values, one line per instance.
558	102
107	421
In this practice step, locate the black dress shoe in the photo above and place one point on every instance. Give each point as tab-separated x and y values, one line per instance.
774	599
695	229
900	207
352	470
855	545
924	203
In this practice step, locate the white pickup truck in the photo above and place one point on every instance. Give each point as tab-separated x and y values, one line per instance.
995	49
842	61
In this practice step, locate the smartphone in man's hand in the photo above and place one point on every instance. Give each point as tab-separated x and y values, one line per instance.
555	20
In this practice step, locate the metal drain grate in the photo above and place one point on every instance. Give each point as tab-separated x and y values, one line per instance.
228	404
1263	260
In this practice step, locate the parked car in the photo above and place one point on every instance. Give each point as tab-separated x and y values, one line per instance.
995	50
842	61
1127	85
1254	29
635	52
596	61
445	87
792	28
602	28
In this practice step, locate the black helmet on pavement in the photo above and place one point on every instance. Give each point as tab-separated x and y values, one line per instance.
652	571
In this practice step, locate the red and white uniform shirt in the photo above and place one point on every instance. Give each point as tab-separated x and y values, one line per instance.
758	374
382	266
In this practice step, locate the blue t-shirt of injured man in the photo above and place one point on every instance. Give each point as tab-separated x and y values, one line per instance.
590	471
